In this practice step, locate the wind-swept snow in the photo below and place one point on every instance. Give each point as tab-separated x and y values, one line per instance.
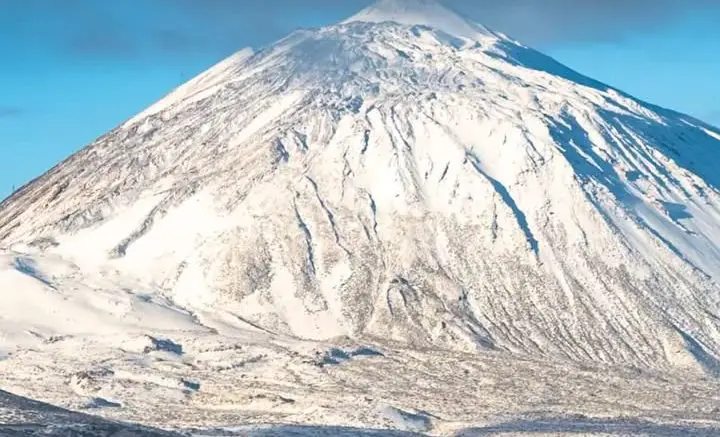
379	180
421	12
200	87
404	180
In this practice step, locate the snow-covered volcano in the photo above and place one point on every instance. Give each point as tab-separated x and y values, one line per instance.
404	176
420	12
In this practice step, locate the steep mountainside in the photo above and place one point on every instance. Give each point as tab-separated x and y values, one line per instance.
405	176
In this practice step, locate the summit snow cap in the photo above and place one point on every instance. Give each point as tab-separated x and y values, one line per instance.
421	12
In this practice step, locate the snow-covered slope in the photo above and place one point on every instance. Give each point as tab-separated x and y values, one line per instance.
421	12
404	176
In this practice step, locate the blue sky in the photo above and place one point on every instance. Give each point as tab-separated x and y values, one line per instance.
73	69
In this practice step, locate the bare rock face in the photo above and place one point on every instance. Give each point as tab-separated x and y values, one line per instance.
388	178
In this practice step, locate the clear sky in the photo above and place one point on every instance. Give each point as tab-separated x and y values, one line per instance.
72	69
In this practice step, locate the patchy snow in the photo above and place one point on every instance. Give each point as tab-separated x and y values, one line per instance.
203	86
508	235
380	180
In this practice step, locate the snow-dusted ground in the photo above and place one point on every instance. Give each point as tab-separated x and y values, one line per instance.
423	392
397	222
134	356
213	381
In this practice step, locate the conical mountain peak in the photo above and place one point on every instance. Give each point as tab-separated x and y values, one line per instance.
420	12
